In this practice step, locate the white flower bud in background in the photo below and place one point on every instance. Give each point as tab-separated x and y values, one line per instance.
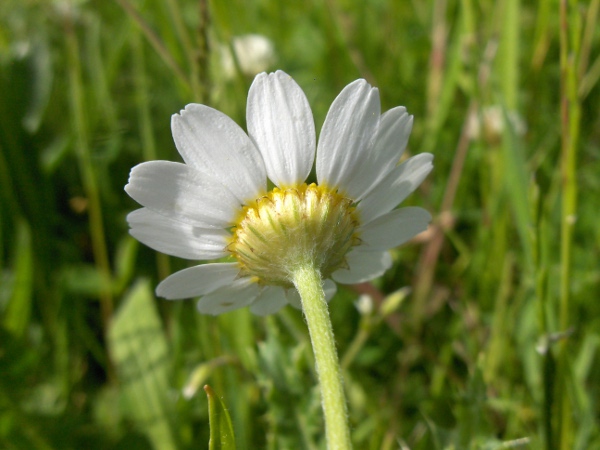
489	124
254	53
70	10
364	304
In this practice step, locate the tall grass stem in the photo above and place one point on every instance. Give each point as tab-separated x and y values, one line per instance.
570	31
88	176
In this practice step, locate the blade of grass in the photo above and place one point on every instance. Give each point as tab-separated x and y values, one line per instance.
570	31
542	34
146	130
428	260
221	428
18	312
156	43
86	168
508	53
190	52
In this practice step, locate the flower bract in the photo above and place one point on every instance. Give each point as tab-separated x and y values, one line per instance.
246	198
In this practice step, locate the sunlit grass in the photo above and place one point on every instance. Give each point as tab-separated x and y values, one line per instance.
493	345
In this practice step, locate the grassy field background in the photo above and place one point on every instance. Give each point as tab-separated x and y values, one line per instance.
485	334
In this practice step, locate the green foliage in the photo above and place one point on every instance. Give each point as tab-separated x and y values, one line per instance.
221	429
483	334
139	350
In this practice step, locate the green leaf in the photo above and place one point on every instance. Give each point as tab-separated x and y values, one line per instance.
221	428
125	262
140	353
18	311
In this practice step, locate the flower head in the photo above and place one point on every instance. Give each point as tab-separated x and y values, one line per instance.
218	204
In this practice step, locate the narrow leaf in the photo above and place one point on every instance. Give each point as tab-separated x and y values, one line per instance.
18	311
221	428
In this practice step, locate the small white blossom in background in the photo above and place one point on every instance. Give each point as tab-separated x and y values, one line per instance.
255	54
70	10
364	304
489	124
218	203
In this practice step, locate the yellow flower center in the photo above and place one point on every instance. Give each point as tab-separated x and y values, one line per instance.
289	227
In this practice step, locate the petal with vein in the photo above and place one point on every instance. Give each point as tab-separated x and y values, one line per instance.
392	136
270	300
363	266
176	238
395	187
293	298
179	191
197	280
347	137
330	288
281	125
209	140
238	294
394	228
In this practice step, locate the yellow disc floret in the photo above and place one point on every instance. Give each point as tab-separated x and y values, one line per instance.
293	226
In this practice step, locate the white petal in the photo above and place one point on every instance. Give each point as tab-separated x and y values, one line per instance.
393	133
210	141
347	138
270	300
179	191
293	298
395	187
197	280
392	136
281	124
363	266
176	238
330	288
394	228
239	293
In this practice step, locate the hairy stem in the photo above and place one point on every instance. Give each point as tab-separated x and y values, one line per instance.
307	280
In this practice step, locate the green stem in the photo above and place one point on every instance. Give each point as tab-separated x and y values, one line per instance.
155	41
307	280
88	175
142	95
188	48
570	32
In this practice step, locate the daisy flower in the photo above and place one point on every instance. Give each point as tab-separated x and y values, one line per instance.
219	203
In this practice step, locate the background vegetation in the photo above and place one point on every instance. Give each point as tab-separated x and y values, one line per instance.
485	334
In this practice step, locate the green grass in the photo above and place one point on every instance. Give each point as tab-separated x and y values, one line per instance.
496	343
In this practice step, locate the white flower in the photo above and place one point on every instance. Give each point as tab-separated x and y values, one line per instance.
218	204
254	53
490	122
